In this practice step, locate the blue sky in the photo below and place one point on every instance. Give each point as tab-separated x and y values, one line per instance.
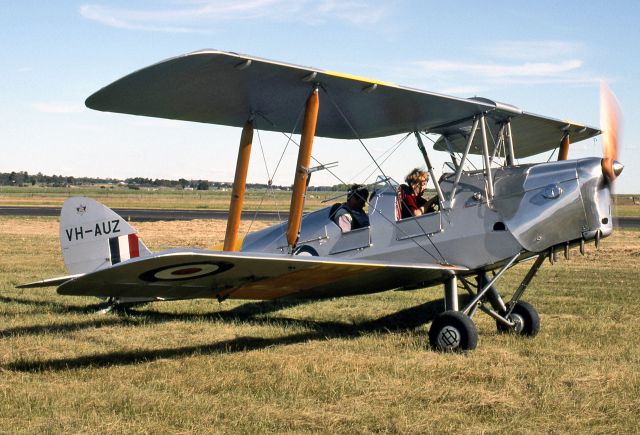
546	57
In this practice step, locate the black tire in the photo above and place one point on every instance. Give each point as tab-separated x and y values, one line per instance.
453	331
526	318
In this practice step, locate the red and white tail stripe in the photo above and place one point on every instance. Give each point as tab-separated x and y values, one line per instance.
124	248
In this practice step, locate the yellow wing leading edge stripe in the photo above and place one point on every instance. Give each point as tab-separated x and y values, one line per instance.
360	79
575	124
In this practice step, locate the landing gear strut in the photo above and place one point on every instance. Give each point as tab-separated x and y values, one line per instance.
121	305
454	330
525	318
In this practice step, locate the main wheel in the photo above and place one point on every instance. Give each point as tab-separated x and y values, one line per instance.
453	331
526	319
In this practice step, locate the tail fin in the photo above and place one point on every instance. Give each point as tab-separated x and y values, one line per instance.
94	237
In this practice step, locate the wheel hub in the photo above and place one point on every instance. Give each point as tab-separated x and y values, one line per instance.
518	322
449	338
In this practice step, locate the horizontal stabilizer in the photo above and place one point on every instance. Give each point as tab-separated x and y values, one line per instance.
51	282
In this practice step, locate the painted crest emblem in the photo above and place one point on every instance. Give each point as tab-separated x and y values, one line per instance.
81	209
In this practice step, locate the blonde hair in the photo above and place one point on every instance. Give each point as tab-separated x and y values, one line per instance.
416	175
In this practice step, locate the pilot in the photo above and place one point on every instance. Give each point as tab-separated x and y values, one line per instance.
410	200
351	215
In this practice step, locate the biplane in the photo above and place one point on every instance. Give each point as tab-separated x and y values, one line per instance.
489	218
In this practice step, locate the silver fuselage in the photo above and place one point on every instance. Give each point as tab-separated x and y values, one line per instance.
534	208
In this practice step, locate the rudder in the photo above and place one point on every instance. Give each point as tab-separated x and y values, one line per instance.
94	237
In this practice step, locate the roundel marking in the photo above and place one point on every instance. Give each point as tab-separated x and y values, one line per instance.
185	271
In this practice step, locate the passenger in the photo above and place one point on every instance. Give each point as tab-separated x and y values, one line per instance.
351	215
410	198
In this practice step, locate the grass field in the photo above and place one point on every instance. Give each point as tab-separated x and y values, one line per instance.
359	364
627	205
162	199
119	197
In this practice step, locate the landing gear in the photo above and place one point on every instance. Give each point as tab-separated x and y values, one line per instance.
453	331
121	305
525	318
111	305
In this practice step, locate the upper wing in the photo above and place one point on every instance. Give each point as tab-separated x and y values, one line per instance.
532	134
227	88
207	274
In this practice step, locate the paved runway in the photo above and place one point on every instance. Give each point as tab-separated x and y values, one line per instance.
146	215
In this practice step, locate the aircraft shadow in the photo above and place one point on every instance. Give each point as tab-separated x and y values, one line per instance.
407	319
55	306
62	327
133	317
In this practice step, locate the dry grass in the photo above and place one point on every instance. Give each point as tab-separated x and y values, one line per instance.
162	199
627	205
357	364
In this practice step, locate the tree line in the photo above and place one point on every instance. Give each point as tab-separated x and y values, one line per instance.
23	178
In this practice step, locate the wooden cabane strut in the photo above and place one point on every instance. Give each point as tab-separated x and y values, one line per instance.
231	242
239	187
564	148
302	167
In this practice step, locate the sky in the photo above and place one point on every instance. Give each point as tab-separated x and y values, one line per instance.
546	57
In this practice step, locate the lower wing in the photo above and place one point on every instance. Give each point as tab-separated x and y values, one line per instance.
207	274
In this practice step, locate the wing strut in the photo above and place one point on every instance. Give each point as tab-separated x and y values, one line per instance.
302	167
511	157
423	150
239	184
564	147
485	155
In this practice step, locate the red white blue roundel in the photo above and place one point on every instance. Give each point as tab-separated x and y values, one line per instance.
185	271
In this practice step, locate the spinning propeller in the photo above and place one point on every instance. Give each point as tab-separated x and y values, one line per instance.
610	124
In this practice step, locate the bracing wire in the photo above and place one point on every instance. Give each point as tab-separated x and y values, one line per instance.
268	189
393	149
355	133
290	139
393	224
320	163
264	158
379	168
271	177
493	141
384	175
